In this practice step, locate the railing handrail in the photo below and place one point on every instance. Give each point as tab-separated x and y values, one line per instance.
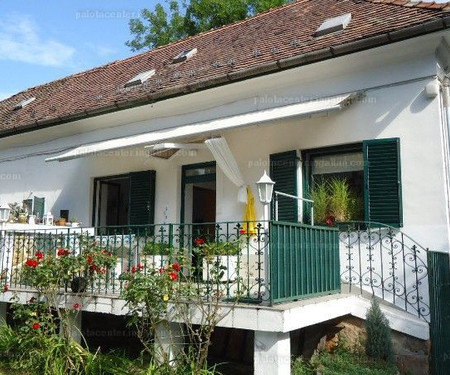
376	224
277	193
301	225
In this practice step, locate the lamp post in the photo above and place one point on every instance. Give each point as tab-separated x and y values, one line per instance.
265	191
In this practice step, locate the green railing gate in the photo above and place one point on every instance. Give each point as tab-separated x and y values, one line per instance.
304	261
439	282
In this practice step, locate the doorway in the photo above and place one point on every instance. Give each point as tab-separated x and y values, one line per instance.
113	198
199	194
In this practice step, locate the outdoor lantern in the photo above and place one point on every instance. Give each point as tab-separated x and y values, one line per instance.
4	214
265	189
48	219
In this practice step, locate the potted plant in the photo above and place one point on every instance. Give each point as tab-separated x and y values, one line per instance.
158	255
18	213
74	222
61	222
334	201
220	260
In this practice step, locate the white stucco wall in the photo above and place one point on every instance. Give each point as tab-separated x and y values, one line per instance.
395	106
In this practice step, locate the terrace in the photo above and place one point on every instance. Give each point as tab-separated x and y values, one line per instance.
256	263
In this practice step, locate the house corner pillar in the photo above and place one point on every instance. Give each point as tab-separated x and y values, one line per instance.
169	340
73	326
272	353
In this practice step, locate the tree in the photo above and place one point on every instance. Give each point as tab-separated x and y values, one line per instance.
379	335
159	27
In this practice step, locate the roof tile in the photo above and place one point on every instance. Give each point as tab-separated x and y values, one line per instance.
231	52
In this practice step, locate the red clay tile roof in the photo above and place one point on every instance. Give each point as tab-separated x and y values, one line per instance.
277	39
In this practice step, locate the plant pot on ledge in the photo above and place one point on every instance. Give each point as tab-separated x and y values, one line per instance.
79	284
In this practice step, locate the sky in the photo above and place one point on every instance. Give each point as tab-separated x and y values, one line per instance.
44	41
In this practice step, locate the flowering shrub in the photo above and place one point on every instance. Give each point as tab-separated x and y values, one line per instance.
34	317
163	284
49	272
229	248
174	293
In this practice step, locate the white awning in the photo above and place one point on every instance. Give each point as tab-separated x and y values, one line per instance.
305	109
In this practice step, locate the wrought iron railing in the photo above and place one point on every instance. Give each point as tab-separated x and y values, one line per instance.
239	273
383	261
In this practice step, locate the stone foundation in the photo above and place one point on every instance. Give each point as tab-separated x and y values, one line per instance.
411	353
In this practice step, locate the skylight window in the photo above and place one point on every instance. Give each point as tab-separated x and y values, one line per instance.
24	102
185	55
140	78
332	25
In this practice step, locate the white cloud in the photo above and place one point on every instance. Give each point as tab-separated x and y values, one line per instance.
20	41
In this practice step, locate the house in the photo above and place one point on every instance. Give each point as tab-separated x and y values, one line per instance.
315	89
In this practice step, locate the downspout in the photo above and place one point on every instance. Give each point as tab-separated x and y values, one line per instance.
446	134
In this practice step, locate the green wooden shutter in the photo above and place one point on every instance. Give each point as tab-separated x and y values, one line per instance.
382	181
39	207
283	170
142	197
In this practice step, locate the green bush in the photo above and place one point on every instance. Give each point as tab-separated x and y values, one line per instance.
379	335
343	362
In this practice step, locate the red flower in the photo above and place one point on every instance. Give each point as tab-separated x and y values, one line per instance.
36	326
199	241
173	276
39	256
5	287
90	260
31	263
133	269
243	231
330	220
32	299
93	268
176	267
76	306
62	252
162	270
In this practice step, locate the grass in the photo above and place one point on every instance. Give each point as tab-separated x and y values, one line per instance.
343	363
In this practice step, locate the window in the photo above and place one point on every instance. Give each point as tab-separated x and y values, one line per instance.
371	174
124	200
140	78
184	55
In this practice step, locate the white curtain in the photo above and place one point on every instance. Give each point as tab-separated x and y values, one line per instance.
227	163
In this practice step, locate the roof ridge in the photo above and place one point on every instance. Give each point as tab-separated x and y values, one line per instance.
429	5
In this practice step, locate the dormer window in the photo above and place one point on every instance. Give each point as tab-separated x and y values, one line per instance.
23	103
185	55
140	78
332	25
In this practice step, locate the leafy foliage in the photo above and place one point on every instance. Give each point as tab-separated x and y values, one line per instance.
379	335
173	293
319	195
41	353
343	362
334	200
182	19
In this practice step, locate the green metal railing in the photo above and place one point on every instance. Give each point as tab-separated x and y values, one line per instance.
304	261
273	262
